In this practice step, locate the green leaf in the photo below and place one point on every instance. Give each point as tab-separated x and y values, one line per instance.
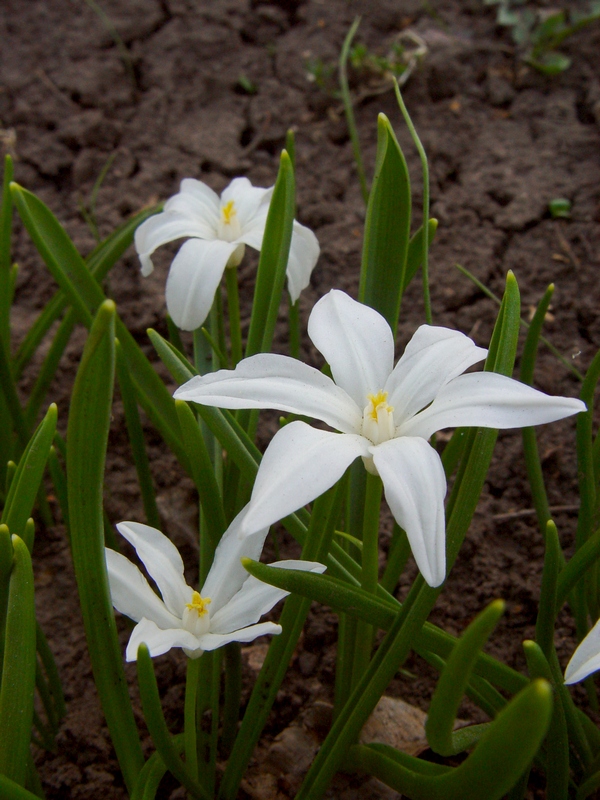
18	668
85	295
272	264
87	435
550	63
10	790
5	263
27	479
387	228
454	680
553	561
414	256
497	762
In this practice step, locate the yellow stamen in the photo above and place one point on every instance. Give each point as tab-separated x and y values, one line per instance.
199	604
228	212
378	400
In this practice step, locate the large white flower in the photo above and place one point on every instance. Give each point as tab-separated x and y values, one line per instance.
586	658
224	610
217	229
386	414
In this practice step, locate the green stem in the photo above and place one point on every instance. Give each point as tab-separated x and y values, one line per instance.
425	229
349	111
370	572
294	321
189	716
233	305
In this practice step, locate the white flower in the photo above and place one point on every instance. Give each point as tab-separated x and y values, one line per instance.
223	611
219	228
586	658
385	414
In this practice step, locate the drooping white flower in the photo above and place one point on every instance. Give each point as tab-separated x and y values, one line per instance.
586	658
386	415
217	229
224	610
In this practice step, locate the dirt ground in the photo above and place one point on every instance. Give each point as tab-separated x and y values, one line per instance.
208	90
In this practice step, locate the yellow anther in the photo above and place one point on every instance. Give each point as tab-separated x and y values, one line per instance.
378	402
199	604
228	212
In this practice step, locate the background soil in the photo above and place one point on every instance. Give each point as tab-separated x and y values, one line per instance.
502	142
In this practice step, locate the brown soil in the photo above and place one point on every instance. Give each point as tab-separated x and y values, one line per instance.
502	142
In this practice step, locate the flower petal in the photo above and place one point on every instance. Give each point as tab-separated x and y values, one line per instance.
159	641
433	357
415	487
248	200
163	562
489	400
227	574
201	198
131	593
356	342
586	658
210	641
268	380
299	464
166	227
255	598
193	279
304	252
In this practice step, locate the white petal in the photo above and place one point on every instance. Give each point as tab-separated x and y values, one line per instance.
415	487
433	357
586	658
268	380
131	593
166	227
299	465
163	562
357	344
248	200
254	231
304	252
193	279
202	196
255	598
491	401
157	640
227	574
210	641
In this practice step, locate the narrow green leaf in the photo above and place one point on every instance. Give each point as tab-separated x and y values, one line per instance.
414	256
87	435
270	277
387	228
26	482
497	762
10	790
349	110
5	262
158	727
18	668
576	567
85	295
451	686
48	369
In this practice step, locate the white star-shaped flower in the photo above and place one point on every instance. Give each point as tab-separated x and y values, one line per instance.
224	610
386	415
217	229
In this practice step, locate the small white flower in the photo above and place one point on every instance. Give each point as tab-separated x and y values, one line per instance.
217	229
586	658
224	610
386	414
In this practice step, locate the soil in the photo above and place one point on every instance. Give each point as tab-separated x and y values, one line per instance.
208	90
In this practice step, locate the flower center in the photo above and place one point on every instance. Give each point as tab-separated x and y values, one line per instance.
199	604
378	419
229	224
196	616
